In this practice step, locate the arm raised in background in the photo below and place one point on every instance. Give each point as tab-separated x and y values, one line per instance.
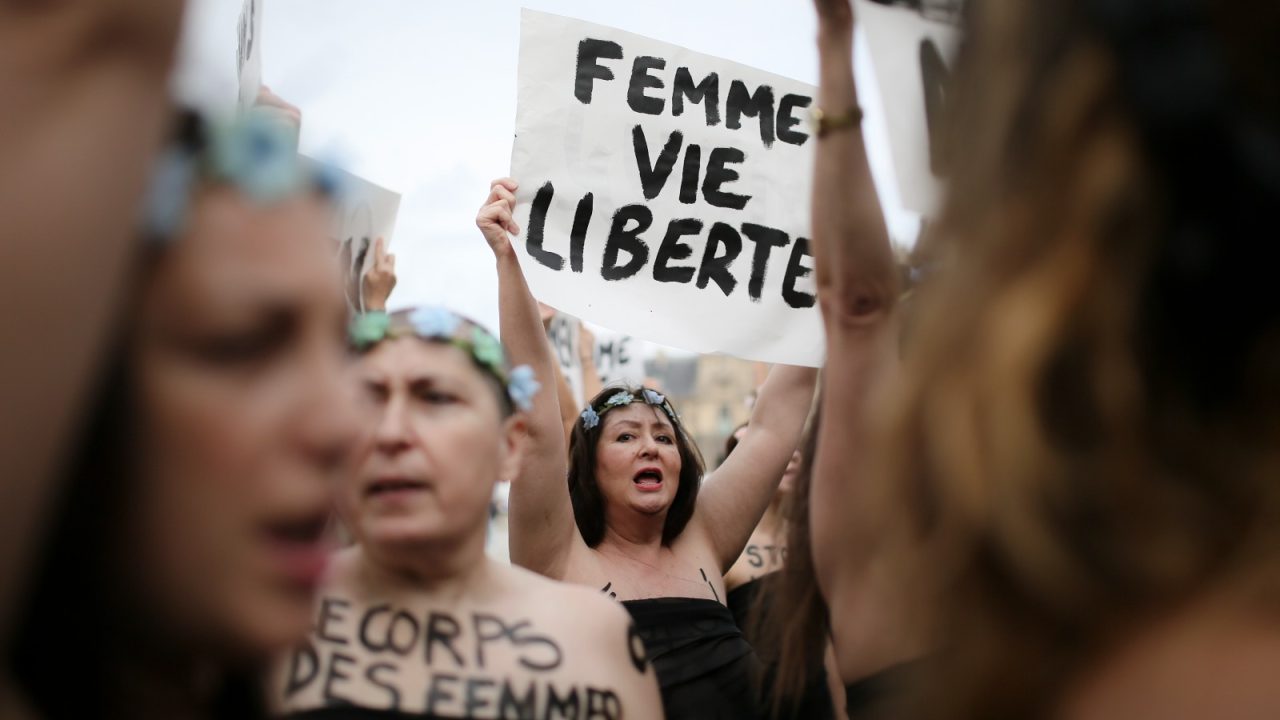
735	496
858	288
542	530
85	107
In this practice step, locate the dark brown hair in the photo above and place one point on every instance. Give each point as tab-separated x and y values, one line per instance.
795	627
584	491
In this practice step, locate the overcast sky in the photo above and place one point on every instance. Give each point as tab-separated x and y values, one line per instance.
419	96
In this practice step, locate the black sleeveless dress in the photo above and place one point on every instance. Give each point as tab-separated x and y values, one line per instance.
815	701
705	668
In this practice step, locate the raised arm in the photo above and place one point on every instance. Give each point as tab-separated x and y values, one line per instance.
854	262
735	496
858	287
542	530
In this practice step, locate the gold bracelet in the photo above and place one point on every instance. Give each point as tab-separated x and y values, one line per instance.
825	124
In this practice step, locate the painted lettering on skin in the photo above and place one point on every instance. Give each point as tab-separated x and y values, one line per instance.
469	644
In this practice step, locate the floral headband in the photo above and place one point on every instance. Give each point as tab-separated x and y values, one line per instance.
437	324
591	416
255	152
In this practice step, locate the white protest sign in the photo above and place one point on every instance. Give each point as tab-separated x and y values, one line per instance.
619	358
364	213
912	48
665	193
249	51
563	332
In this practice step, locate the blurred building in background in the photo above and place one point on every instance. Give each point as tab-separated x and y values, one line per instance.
712	393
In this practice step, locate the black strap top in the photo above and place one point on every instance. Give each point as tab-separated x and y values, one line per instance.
705	667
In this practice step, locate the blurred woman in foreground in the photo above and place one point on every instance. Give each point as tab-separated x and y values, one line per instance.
1072	497
187	544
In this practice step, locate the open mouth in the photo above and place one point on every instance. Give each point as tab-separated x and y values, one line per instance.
393	487
303	532
299	548
648	479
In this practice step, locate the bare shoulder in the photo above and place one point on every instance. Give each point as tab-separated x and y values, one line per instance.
557	602
599	640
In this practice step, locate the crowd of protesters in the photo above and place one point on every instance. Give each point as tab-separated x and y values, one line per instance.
1037	476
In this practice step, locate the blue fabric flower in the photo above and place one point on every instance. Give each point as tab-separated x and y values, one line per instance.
257	153
522	386
369	328
653	397
169	195
622	398
434	322
589	418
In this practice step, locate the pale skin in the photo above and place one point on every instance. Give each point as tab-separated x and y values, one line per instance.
414	616
858	287
85	108
631	560
766	549
381	278
245	420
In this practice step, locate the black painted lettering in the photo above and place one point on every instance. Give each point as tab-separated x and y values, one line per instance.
443	629
758	105
766	239
488	628
554	656
537	226
578	234
795	271
689	178
641	79
718	175
672	249
753	557
523	707
304	666
653	175
567	707
329	610
475	702
715	265
787	119
603	704
372	675
335	674
366	636
403	634
590	51
635	646
622	237
709	584
437	692
706	92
